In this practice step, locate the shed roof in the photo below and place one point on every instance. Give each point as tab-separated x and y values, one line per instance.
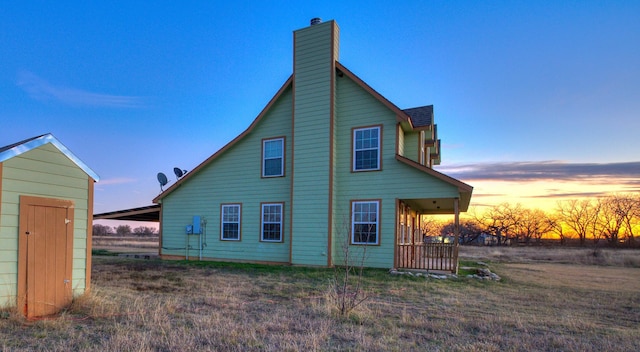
15	149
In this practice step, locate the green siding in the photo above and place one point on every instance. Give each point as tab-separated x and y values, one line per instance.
319	185
400	141
412	145
234	177
314	64
357	108
41	172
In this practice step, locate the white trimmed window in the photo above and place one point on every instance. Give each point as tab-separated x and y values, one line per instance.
273	157
366	149
364	222
271	223
230	222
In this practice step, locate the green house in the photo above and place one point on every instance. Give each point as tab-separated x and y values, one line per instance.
46	207
329	166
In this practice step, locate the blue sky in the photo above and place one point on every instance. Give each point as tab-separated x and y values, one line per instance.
519	87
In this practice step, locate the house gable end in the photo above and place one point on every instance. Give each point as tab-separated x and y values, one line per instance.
286	86
233	176
401	116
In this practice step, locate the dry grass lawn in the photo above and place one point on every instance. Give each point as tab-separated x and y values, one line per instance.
540	305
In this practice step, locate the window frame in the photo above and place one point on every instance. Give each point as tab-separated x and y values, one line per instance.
223	222
264	159
378	204
281	222
354	151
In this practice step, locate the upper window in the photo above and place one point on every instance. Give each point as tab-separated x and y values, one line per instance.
273	157
366	149
230	222
271	222
364	222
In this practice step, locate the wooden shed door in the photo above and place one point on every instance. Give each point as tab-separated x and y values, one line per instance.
46	254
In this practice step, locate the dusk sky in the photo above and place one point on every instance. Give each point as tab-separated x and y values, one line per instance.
534	101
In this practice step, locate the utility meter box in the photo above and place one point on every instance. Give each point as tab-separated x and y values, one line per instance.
194	229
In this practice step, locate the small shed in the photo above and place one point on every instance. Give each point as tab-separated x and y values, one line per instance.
46	209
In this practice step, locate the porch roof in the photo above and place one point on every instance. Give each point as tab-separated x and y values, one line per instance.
438	205
435	206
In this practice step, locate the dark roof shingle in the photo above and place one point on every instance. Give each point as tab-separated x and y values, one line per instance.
420	116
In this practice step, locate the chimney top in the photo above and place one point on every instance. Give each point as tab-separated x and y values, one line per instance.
316	20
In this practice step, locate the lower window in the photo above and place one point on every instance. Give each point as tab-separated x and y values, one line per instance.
230	222
271	222
364	222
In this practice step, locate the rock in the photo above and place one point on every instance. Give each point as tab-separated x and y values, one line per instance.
484	274
426	275
437	276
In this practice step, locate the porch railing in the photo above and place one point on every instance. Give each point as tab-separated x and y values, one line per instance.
428	256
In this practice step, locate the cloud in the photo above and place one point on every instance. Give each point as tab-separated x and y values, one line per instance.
625	172
42	90
490	195
116	181
572	195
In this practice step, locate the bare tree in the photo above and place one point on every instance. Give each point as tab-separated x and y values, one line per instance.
102	230
611	217
470	230
145	231
123	230
500	220
346	292
578	215
532	225
629	207
596	228
430	225
556	227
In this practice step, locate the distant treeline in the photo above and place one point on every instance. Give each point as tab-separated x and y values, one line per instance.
124	231
613	221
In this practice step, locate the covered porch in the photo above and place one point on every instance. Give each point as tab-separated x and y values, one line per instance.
418	250
413	248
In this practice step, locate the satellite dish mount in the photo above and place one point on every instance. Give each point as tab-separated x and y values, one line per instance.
162	179
179	172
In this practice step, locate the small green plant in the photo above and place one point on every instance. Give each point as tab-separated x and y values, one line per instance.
103	252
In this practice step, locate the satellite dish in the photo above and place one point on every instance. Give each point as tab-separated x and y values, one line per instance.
162	178
179	173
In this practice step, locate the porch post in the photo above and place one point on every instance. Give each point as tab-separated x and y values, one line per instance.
456	232
396	249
